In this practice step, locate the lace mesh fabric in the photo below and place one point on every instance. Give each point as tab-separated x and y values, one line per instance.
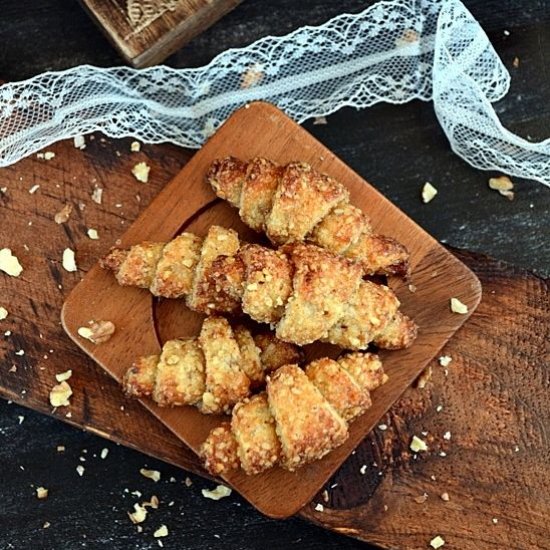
393	51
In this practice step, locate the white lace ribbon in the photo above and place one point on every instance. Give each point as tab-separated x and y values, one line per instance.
393	51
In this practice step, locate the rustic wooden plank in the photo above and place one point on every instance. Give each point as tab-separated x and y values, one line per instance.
146	32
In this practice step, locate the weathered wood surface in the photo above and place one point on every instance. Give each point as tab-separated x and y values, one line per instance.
146	32
494	397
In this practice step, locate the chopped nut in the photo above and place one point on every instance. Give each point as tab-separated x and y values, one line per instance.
515	62
412	289
60	448
63	215
424	377
92	233
49	155
153	503
62	376
319	507
383	427
162	531
135	146
80	470
458	307
104	453
46	525
41	493
252	76
97	195
3	313
421	499
428	192
495	520
98	332
437	542
445	497
319	120
150	474
79	142
445	360
502	183
69	263
34	189
9	263
60	394
363	470
439	408
221	491
138	515
141	172
418	445
447	435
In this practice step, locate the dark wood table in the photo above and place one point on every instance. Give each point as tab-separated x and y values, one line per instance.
396	148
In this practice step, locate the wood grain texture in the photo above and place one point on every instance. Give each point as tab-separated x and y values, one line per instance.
501	347
262	130
146	32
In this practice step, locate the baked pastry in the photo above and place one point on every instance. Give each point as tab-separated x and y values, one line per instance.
303	290
302	416
295	203
213	372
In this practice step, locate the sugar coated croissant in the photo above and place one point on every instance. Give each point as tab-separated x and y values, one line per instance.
213	372
295	203
301	417
308	293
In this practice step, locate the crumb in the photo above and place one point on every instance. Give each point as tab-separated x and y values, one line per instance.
63	215
418	445
79	142
495	520
69	415
221	491
60	394
445	360
363	470
421	499
92	233
150	474
138	515
515	62
188	482
383	427
319	120
424	377
447	436
439	408
433	478
69	263
442	454
80	470
141	172
97	195
445	497
7	333
437	542
508	194
104	453
60	448
458	307
325	496
9	263
162	531
506	32
13	368
135	146
412	289
98	332
153	503
21	419
62	376
46	525
41	493
319	507
3	313
428	192
34	189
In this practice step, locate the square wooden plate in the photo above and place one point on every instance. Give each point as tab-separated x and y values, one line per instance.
188	203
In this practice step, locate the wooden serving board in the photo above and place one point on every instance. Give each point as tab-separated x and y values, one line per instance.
494	398
146	32
187	203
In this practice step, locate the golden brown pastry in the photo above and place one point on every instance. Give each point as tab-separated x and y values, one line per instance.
295	203
303	290
302	416
214	371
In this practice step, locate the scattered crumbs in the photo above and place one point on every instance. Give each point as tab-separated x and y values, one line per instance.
60	394
428	192
104	453
363	470
80	470
150	474
221	491
97	195
319	507
34	189
421	499
135	146
445	497
3	313
46	525
515	62
439	408
49	155
63	215
437	542
69	262
138	515
447	435
188	482
21	419
495	520
418	445
79	142
458	307
9	263
445	360
141	172
318	120
162	531
60	448
41	493
62	376
383	427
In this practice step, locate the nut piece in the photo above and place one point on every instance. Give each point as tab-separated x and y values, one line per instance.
97	195
428	192
141	172
49	155
424	377
69	263
3	313
445	360
135	146
97	332
437	542
418	445
150	474
92	233
80	470
445	497
138	515
458	307
41	493
162	531
221	491
63	215
104	453
9	263
319	507
79	142
59	395
62	376
502	183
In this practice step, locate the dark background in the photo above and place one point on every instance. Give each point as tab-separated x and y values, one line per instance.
397	148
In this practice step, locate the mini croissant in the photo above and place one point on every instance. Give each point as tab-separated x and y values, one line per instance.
299	419
295	203
214	371
308	293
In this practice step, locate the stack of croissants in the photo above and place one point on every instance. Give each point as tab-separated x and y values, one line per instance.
320	281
